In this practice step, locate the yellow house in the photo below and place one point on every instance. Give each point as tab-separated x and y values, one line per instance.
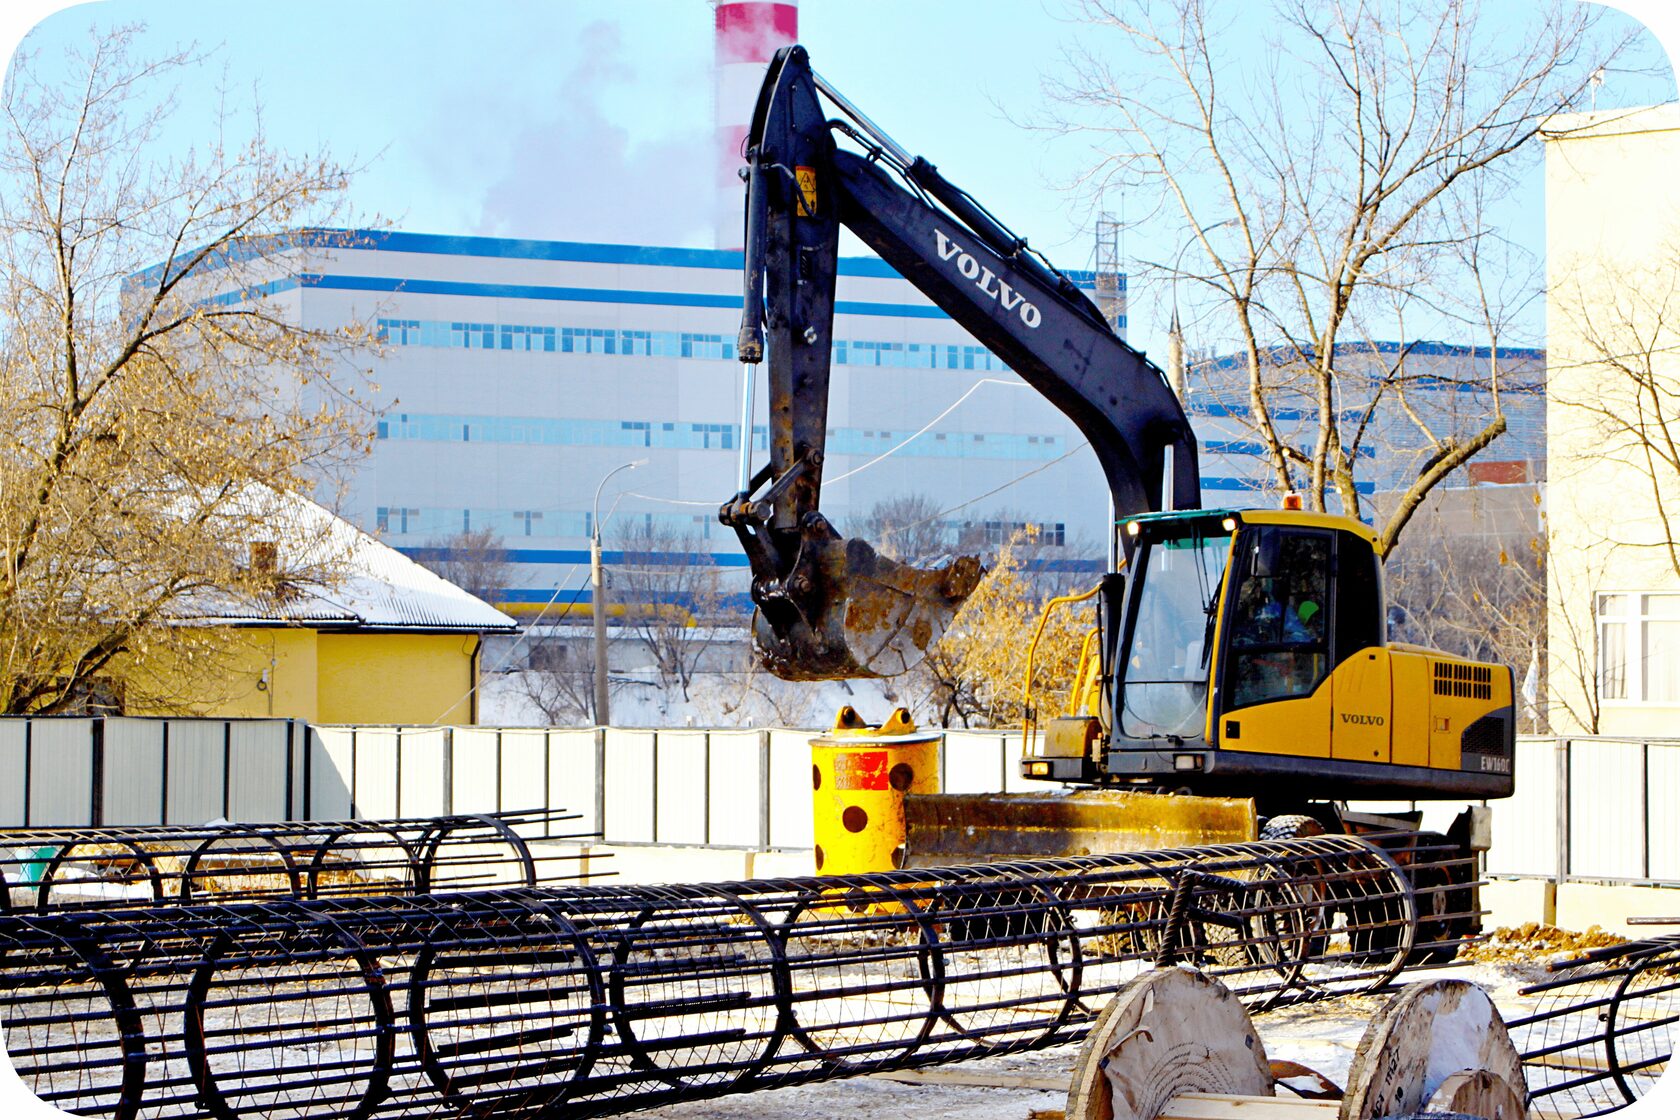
388	642
1613	406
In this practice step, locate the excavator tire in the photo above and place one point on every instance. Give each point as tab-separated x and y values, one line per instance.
1445	902
1291	826
1295	826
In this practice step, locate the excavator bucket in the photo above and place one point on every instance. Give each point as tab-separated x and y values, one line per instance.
847	611
954	828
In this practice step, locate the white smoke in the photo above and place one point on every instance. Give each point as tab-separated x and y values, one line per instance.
576	173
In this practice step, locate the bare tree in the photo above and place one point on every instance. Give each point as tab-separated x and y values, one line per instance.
1476	589
1337	189
559	682
474	560
908	528
1619	395
974	674
669	589
153	391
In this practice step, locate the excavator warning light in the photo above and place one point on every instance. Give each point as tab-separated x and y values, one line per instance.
1131	528
1292	500
1229	524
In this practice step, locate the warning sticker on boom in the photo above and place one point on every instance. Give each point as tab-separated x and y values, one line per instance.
807	177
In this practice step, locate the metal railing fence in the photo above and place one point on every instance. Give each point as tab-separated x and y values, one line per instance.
1586	808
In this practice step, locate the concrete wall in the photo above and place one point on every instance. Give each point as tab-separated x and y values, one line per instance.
1612	258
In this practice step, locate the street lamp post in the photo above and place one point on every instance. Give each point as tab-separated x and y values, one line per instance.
598	592
1175	333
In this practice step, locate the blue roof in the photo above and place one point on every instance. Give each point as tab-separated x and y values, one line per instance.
516	248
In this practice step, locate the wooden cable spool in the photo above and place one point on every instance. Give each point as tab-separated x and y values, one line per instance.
1438	1046
1177	1045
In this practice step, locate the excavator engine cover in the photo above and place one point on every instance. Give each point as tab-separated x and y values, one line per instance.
847	611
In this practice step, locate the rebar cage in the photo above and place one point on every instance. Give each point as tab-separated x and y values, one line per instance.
594	1000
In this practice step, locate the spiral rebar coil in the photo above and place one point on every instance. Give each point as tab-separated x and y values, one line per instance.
1603	1030
54	869
590	1001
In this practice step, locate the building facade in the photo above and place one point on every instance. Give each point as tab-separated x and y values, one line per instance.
1613	262
1389	394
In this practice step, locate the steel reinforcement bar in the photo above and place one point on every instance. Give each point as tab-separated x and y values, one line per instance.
598	1000
1603	1030
57	869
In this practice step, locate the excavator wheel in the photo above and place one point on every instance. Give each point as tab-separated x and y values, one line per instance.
1291	826
1445	902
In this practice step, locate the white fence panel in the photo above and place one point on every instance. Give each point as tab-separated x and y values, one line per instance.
374	763
629	786
524	781
572	779
680	787
14	734
257	758
61	772
330	772
477	771
197	759
973	762
736	781
1014	746
1606	836
1525	840
790	789
1663	810
422	762
133	786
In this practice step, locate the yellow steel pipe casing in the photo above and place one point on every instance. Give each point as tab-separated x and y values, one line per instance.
860	775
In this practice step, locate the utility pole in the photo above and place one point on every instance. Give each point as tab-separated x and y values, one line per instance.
598	597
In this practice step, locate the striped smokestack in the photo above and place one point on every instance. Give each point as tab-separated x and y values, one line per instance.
748	33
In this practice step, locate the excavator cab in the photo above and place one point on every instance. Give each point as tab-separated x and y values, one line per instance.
1246	649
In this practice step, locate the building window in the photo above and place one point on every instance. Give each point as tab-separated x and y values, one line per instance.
1639	647
473	336
526	517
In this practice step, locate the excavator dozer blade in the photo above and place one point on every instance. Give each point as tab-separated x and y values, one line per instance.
955	828
847	611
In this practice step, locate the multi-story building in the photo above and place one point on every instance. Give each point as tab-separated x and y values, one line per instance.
1420	391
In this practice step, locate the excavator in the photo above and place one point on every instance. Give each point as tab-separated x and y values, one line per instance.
1238	653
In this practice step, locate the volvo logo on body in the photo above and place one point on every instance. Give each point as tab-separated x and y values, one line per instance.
987	280
1368	721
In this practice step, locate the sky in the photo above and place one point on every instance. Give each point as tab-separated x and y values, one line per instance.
591	120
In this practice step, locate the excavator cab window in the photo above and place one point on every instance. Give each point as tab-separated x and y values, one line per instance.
1280	615
1170	632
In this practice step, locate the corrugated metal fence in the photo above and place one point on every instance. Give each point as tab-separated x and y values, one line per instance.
1585	808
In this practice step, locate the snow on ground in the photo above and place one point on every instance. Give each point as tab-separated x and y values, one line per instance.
1322	1036
714	700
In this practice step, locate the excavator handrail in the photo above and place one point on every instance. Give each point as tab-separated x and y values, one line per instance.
1028	722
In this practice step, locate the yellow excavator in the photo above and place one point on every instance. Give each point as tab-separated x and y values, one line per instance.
1238	653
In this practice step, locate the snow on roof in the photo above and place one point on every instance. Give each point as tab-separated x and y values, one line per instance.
380	588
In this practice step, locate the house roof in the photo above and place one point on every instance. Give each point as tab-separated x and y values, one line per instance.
379	588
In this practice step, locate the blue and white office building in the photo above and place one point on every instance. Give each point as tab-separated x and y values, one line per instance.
517	374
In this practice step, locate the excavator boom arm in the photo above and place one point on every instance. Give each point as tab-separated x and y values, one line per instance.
828	607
